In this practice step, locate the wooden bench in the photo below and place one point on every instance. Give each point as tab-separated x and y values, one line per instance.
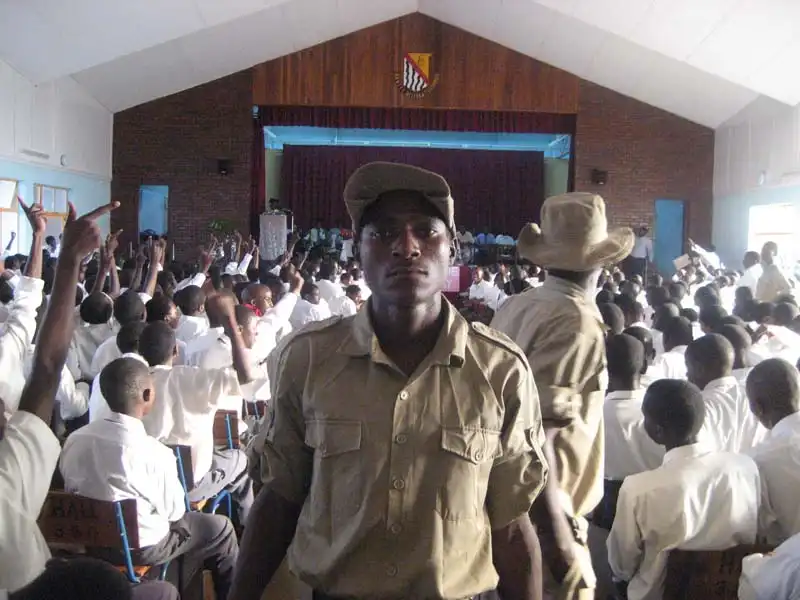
74	523
710	575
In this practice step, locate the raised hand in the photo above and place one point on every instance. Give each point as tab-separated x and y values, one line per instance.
82	235
112	242
35	214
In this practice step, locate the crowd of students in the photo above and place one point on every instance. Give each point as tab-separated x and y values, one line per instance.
390	448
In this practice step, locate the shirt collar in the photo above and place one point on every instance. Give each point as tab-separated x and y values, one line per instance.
572	290
626	395
787	426
684	452
450	348
722	382
679	349
131	424
136	356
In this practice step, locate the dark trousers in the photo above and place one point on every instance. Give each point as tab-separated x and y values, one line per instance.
636	266
154	590
202	541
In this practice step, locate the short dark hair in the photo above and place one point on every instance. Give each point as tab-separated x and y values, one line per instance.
762	311
625	355
675	405
157	343
128	337
129	307
96	309
159	307
190	299
712	350
677	332
79	578
706	296
663	313
785	313
121	383
737	336
612	317
712	316
690	315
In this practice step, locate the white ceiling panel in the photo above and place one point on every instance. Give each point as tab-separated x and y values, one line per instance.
621	65
620	17
523	25
676	27
476	16
748	38
215	12
571	44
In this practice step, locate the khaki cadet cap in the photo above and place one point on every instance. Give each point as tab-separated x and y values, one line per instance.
368	182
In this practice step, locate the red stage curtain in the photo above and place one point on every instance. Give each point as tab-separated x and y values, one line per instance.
501	190
421	119
258	186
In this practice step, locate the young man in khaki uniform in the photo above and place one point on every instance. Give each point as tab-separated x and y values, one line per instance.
561	331
404	448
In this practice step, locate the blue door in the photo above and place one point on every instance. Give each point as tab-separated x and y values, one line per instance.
668	234
153	201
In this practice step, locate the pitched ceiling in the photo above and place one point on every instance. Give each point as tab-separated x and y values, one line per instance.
704	60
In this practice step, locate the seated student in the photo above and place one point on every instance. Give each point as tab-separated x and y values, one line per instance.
711	318
276	310
629	450
349	304
645	336
193	321
663	313
659	511
774	392
84	578
114	459
729	424
603	297
677	337
744	303
97	327
162	308
187	400
741	342
310	307
613	318
775	576
128	346
632	310
785	313
128	308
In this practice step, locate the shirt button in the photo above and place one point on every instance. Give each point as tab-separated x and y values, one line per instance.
396	528
391	570
401	438
398	484
404	395
479	455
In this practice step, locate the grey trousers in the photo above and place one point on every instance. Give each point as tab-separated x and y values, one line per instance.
228	472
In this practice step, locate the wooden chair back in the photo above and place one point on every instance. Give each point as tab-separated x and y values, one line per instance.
710	575
71	520
226	429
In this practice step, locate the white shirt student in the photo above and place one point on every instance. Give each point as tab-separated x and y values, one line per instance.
98	407
187	400
328	290
671	364
190	327
344	307
772	577
778	460
305	312
729	423
658	511
114	459
16	337
28	457
629	450
72	398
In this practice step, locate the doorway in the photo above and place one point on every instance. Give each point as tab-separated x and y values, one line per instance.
668	233
153	216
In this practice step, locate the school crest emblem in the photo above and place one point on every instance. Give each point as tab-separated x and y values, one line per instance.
416	79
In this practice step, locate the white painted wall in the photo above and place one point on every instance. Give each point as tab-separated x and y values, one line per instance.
756	162
57	119
54	134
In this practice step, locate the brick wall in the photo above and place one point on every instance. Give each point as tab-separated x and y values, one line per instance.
649	154
176	141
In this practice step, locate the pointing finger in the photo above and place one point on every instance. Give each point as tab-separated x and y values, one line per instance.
99	212
21	202
72	214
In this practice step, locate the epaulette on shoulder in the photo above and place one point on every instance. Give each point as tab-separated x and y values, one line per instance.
315	327
498	339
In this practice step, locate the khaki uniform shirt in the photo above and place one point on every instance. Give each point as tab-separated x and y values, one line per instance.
402	479
772	284
560	330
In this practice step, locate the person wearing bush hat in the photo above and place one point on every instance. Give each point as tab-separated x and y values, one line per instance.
560	329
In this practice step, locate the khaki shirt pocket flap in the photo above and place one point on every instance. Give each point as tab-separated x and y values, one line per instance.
472	443
330	438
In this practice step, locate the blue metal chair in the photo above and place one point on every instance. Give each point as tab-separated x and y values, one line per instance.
73	522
